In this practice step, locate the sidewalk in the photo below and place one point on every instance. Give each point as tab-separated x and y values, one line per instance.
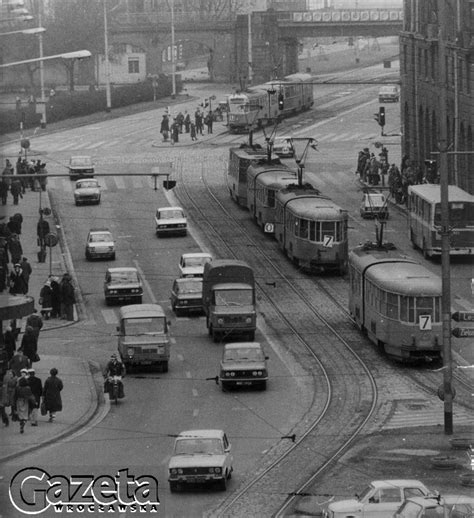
80	396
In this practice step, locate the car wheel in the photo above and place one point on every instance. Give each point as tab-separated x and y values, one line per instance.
263	385
138	300
223	483
108	302
225	386
88	257
164	366
173	487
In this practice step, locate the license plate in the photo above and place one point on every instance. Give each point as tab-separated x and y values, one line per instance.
145	362
243	383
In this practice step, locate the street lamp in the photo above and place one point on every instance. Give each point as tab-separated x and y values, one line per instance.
107	62
173	59
77	54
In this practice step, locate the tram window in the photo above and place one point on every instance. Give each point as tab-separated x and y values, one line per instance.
304	228
437	214
271	198
392	306
424	306
327	228
312	231
407	309
437	317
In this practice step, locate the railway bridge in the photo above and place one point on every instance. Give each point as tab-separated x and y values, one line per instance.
222	45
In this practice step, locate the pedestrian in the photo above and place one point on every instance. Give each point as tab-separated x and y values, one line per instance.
24	401
174	132
45	299
36	387
19	362
198	121
4	402
17	281
26	271
3	263
68	298
16	189
36	322
165	128
209	121
9	342
4	188
180	121
42	230
9	383
52	394
187	122
43	179
15	249
55	298
193	131
29	344
13	226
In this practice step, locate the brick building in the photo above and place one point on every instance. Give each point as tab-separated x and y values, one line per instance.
422	88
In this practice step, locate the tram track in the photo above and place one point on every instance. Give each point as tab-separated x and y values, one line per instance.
345	388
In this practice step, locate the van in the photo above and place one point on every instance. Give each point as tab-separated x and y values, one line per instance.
389	93
143	336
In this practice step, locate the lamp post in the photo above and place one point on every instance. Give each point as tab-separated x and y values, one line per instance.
108	96
249	43
173	57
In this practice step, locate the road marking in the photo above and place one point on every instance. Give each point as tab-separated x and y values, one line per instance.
146	284
109	316
119	182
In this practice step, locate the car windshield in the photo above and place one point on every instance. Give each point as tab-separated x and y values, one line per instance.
124	277
100	238
244	354
141	326
189	287
170	214
193	446
196	261
86	185
241	297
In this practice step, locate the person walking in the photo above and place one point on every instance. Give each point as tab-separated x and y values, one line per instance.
55	298
19	362
15	248
9	383
193	131
209	121
187	121
16	189
4	188
52	394
17	281
68	298
180	121
36	387
198	121
165	127
35	322
45	299
24	401
13	226
174	132
26	271
29	344
9	342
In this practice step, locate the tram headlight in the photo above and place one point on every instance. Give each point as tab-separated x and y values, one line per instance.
220	321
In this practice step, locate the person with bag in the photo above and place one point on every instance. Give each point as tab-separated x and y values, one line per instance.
52	394
29	344
36	387
24	402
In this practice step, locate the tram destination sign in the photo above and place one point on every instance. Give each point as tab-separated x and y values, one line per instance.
463	316
463	332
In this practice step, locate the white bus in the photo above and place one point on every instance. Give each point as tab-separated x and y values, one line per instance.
424	219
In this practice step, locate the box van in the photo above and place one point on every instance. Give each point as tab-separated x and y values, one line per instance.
143	337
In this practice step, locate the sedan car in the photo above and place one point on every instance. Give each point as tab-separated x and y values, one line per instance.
123	284
192	264
389	93
170	221
87	191
81	167
445	506
283	147
100	244
374	205
200	457
380	499
186	295
243	364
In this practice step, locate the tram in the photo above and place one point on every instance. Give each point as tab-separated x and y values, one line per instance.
397	302
311	229
264	104
264	180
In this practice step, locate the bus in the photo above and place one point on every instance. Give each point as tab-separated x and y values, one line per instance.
424	219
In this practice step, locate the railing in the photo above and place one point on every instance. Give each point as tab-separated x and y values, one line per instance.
164	18
342	16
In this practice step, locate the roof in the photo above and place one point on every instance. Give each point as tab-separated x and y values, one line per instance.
117	269
201	433
243	345
169	208
432	193
99	230
396	483
196	254
141	310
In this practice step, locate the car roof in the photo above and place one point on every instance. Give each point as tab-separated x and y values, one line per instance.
201	433
81	180
99	230
196	254
243	345
117	269
397	483
141	310
169	208
182	280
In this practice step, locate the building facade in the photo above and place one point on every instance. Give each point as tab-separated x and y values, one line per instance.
423	88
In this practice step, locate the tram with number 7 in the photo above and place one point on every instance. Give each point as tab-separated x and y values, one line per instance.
396	302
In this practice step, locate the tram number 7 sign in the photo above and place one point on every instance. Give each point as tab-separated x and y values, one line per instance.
425	322
328	241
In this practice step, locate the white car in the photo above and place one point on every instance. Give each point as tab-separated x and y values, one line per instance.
374	205
170	221
200	457
100	244
87	191
192	264
380	499
81	167
389	93
282	147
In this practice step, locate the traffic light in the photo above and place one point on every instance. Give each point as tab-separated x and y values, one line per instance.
382	116
281	101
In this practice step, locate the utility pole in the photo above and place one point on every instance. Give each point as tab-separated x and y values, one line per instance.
445	232
250	74
173	57
108	96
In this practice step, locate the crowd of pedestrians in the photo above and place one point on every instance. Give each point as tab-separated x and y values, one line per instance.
376	171
29	175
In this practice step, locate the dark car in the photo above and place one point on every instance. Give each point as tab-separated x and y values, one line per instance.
243	364
123	284
186	295
81	167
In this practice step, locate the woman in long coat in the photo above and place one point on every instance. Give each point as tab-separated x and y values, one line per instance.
46	300
52	394
24	400
29	344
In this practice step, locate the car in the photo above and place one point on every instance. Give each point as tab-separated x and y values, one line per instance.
81	167
389	93
87	191
186	295
123	284
170	221
283	147
200	457
192	264
374	205
243	364
459	506
381	499
420	507
100	244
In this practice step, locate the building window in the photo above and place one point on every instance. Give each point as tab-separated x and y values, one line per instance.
133	66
